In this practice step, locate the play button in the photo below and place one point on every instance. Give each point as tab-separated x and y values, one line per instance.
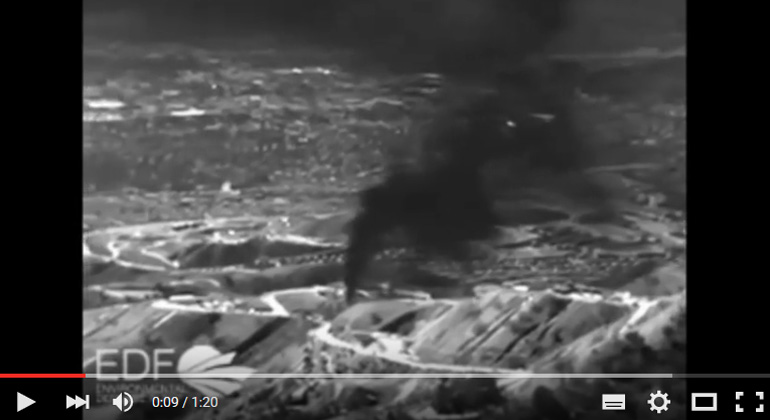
23	401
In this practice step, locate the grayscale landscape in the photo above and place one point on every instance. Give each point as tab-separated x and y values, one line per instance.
218	182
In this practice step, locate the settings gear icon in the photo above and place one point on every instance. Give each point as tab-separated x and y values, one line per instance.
664	404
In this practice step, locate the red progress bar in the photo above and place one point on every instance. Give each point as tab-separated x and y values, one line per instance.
42	375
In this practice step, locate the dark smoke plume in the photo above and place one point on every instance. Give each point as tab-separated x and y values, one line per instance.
524	122
443	201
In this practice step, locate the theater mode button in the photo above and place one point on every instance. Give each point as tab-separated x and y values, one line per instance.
23	401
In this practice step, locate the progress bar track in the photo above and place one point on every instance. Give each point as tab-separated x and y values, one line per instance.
429	376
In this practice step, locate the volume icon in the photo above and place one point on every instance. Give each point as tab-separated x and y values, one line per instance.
124	401
78	402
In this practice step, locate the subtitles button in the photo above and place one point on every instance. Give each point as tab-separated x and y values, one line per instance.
613	401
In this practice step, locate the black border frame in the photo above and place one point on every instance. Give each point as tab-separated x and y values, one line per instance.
45	186
724	295
42	311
